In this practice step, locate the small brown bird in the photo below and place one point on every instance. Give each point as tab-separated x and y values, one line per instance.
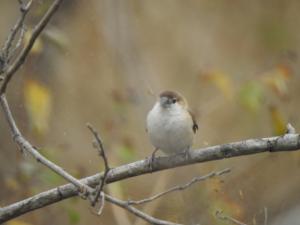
170	124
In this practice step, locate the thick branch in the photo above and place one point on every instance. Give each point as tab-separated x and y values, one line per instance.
23	54
288	142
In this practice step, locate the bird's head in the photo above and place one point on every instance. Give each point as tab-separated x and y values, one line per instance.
170	99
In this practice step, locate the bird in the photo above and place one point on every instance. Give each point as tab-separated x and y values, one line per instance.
170	124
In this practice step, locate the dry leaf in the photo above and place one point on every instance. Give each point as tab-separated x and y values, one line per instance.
38	105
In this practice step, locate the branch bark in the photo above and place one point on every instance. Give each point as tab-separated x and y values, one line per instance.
288	142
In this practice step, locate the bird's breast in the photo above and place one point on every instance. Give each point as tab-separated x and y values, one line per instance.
170	131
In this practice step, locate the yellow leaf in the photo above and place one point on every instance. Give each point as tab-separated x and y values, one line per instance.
278	121
37	46
277	79
12	184
38	105
221	81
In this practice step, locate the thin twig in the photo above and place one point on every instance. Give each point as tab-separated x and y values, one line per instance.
100	147
102	202
220	215
11	70
135	211
24	8
18	44
179	187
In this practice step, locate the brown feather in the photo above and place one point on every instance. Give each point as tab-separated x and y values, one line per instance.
195	125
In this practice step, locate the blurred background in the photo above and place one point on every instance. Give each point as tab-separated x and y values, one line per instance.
103	62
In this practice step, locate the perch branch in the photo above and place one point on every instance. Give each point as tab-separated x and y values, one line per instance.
288	142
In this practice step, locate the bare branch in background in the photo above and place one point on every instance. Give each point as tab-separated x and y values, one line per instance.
138	213
12	69
18	27
179	187
220	215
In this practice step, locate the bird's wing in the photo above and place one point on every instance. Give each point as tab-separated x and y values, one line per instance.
195	125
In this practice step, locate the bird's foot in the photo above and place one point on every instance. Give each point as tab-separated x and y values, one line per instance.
151	159
187	154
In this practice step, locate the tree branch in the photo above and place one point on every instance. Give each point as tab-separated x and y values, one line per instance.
11	70
138	213
24	8
99	146
288	142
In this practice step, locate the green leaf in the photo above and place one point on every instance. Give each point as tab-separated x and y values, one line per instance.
251	96
74	216
126	153
49	177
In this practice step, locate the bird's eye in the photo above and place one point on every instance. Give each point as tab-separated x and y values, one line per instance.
174	100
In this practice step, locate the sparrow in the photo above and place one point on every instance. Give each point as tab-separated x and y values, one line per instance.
171	125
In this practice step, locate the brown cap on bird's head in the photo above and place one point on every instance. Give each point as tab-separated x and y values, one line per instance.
169	97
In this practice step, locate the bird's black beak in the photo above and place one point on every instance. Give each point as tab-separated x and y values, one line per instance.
164	102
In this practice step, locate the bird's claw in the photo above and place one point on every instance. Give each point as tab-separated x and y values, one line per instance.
187	154
151	162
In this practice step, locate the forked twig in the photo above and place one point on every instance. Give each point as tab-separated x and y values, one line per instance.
100	148
11	70
24	8
179	187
